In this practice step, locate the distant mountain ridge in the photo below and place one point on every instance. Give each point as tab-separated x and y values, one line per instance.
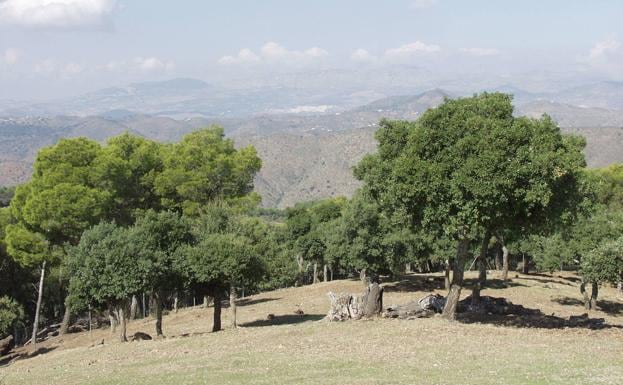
305	156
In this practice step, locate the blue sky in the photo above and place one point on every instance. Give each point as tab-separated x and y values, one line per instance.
52	48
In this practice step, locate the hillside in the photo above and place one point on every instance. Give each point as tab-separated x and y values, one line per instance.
294	349
305	156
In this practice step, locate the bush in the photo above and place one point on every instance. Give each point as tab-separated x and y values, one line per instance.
11	314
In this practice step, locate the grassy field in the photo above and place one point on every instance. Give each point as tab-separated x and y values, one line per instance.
293	349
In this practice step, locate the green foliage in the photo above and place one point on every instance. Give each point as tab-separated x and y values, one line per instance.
205	167
104	268
469	165
6	194
158	236
11	314
605	263
127	168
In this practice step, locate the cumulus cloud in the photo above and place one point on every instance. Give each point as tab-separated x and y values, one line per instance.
56	13
362	55
139	63
152	64
10	56
245	55
274	53
411	49
423	4
480	51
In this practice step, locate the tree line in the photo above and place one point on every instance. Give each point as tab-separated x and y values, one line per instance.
468	185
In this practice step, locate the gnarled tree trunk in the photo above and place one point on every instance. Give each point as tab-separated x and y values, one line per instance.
452	302
325	273
498	255
121	317
590	302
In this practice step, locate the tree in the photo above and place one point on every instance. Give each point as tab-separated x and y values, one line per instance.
11	315
223	258
127	169
104	271
158	236
56	206
205	167
469	166
603	264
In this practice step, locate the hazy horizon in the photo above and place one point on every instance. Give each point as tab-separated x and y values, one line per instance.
52	49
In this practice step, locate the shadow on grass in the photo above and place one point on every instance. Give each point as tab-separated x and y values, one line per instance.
522	317
409	283
568	301
12	357
610	307
494	283
251	301
551	278
286	319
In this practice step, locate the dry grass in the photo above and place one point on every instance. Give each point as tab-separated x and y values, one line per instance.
294	349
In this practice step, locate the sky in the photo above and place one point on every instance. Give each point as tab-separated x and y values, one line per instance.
59	48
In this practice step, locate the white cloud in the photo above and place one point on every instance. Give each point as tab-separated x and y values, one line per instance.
139	63
423	4
56	13
480	51
412	48
10	56
244	56
316	52
274	53
604	48
362	55
46	66
152	64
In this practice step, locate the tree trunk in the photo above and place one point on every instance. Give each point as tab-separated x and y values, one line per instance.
134	308
482	269
587	299
364	277
372	300
594	293
113	321
122	323
206	300
504	263
315	273
232	305
158	305
452	301
66	318
446	275
175	302
620	288
216	324
526	263
331	270
35	325
498	255
325	274
408	267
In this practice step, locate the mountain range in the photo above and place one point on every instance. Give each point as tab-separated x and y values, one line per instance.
307	150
